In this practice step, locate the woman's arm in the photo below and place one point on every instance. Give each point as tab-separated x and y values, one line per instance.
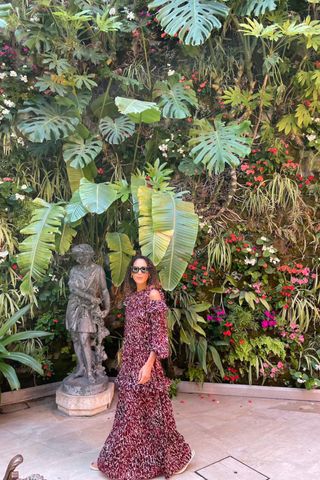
159	341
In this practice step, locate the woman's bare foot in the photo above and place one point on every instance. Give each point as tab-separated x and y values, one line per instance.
94	466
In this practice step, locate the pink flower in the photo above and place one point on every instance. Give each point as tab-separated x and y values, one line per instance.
264	324
292	336
301	338
280	365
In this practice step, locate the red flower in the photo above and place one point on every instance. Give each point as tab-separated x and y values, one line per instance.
242	341
7	179
163	35
14	266
273	150
227	333
229	324
259	178
100	171
55	321
307	103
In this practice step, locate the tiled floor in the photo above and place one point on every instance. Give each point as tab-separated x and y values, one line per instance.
234	438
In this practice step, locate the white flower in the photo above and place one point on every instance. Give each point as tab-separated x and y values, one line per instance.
274	260
180	150
131	16
9	103
19	197
24	66
23	187
300	380
4	253
5	111
264	239
35	289
3	75
20	141
34	19
311	137
13	73
248	249
163	147
112	11
317	120
250	261
171	72
317	367
24	79
165	155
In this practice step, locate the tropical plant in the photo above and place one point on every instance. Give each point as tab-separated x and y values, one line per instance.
7	356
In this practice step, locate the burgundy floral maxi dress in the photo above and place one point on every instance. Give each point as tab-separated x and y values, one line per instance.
144	442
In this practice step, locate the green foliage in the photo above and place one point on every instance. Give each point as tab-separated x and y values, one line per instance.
257	7
120	255
5	10
167	233
217	145
176	97
138	110
96	197
36	250
116	131
255	351
80	152
7	338
46	120
192	20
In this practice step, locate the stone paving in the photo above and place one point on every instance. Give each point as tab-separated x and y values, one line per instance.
235	438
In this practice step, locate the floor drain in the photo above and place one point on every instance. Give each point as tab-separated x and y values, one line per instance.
224	468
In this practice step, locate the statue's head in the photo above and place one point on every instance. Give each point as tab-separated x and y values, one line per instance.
82	253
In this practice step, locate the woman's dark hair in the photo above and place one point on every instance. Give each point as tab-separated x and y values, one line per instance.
129	285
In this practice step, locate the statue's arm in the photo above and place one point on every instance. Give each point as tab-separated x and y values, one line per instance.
77	291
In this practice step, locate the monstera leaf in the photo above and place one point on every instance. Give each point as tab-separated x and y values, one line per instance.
191	20
47	121
36	250
96	197
80	152
138	110
117	130
176	97
120	256
218	145
256	7
168	230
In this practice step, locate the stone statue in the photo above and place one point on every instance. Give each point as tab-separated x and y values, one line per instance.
88	305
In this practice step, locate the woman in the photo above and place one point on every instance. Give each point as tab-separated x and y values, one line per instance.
144	442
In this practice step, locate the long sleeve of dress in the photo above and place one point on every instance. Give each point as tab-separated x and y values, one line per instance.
159	342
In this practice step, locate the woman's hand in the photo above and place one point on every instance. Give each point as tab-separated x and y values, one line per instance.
145	374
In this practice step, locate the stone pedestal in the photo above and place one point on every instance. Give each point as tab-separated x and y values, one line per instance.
84	405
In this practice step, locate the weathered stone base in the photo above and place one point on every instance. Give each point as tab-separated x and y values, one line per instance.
84	406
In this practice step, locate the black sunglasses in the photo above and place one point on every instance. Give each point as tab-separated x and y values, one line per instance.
141	269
